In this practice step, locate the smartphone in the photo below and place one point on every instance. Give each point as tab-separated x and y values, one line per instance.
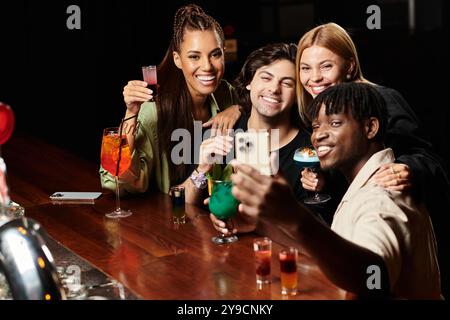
252	148
74	197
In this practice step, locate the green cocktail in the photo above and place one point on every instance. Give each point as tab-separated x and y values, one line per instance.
223	205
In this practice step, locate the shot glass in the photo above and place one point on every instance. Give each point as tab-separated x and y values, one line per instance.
288	270
178	209
150	76
263	258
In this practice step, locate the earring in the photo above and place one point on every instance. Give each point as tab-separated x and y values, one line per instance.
348	76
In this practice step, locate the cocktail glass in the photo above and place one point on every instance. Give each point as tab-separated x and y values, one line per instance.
223	205
150	76
307	158
116	159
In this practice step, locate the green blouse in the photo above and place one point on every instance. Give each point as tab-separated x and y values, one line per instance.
149	168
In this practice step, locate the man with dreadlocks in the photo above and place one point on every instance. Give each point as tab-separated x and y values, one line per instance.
381	241
191	89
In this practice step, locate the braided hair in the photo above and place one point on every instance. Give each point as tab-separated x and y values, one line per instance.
192	17
361	100
174	102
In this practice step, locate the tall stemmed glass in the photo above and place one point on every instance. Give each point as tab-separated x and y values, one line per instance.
306	157
116	159
223	205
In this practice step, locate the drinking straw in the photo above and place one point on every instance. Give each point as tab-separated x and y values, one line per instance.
121	142
120	148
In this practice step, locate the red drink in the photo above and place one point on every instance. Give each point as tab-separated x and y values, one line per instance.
263	259
288	264
150	76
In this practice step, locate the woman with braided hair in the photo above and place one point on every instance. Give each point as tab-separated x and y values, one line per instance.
191	89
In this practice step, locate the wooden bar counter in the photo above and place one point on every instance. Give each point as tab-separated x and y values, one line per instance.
146	252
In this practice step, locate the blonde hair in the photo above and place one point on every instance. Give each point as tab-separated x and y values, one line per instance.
336	39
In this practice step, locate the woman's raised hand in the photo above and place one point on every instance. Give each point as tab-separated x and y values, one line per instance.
135	93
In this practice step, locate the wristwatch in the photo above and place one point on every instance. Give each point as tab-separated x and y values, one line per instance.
199	179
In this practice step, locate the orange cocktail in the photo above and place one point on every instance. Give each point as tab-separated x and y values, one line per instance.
114	146
115	158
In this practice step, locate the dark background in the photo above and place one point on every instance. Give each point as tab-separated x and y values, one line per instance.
66	85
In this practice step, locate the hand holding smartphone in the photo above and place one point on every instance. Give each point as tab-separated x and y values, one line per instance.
252	148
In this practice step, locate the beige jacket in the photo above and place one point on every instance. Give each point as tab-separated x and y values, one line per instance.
393	226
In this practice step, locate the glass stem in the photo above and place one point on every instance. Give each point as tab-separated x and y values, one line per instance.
229	224
314	170
117	194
